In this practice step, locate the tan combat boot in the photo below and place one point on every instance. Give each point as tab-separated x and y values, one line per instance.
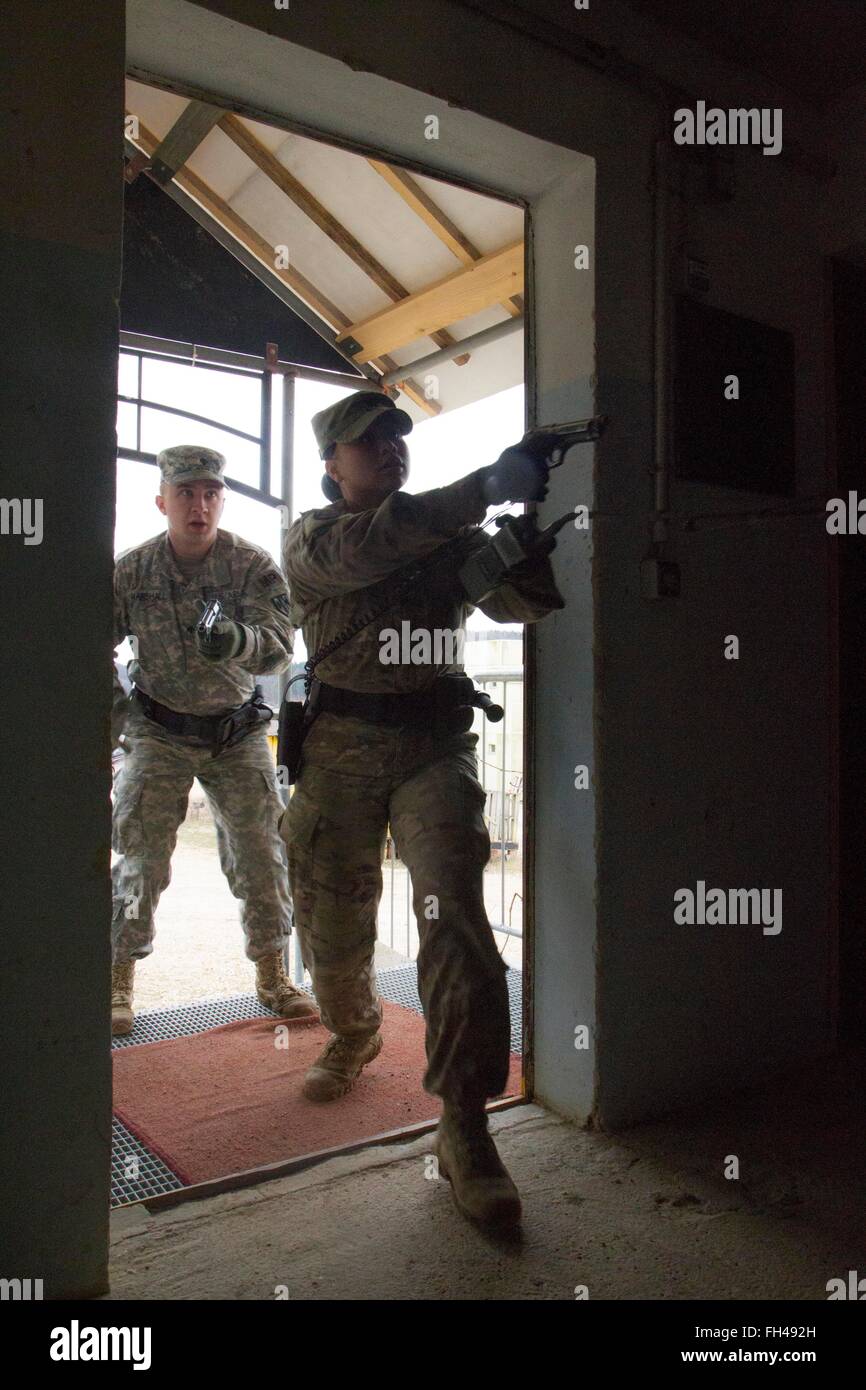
122	1017
276	991
338	1066
480	1184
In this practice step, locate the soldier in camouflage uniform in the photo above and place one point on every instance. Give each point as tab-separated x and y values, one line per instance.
186	684
385	750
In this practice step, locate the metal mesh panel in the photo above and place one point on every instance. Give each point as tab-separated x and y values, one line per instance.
399	986
156	1025
136	1173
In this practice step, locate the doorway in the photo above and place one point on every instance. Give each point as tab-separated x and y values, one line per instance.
285	474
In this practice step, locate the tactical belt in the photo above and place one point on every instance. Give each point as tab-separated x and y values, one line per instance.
219	730
418	707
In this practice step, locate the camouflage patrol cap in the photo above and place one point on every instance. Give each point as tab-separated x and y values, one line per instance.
348	419
191	463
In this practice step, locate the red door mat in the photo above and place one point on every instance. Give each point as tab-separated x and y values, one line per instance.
230	1099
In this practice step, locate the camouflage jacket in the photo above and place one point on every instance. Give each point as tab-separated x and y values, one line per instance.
156	606
332	556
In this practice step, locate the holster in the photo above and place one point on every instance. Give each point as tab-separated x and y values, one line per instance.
241	722
294	722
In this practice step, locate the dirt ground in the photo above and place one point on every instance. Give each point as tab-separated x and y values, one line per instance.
199	948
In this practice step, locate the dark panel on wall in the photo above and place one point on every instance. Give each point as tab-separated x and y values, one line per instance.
745	443
178	282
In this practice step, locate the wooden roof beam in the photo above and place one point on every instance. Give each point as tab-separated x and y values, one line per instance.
479	286
419	200
192	126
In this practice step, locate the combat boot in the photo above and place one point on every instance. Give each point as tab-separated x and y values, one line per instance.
122	1017
338	1066
276	991
480	1184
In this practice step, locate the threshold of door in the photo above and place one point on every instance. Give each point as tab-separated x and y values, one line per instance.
268	1171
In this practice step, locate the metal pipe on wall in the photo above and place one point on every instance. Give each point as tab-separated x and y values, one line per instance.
661	342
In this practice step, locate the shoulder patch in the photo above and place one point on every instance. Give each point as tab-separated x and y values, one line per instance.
281	603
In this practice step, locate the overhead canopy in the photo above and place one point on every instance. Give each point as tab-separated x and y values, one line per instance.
387	266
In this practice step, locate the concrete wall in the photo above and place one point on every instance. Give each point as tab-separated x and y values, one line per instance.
60	230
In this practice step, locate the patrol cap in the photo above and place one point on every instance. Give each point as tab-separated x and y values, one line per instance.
348	419
191	463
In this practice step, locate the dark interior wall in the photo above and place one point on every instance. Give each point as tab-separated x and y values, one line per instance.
718	770
179	283
849	323
60	233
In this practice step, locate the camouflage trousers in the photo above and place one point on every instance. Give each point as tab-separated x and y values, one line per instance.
150	803
356	778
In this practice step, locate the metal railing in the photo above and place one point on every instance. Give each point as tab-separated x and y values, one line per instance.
504	816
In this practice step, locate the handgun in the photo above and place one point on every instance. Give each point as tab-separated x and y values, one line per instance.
554	441
519	538
211	615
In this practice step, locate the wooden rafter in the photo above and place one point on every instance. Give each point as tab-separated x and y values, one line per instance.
263	251
243	137
192	126
468	291
419	200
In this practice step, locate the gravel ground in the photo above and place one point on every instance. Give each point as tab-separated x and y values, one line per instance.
199	949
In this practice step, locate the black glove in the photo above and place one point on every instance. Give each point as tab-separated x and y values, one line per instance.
224	641
518	475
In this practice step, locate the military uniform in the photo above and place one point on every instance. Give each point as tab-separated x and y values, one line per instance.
357	777
159	606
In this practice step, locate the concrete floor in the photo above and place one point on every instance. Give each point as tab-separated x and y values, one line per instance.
644	1215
